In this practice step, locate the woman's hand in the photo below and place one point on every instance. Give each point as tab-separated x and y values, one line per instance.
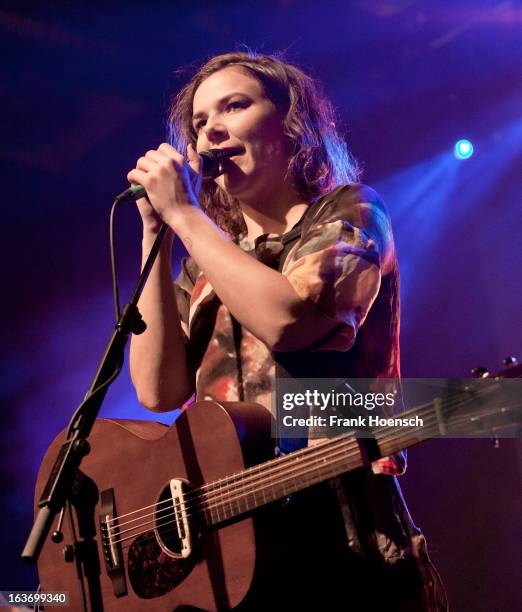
171	184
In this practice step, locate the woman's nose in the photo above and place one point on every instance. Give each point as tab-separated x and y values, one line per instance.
215	132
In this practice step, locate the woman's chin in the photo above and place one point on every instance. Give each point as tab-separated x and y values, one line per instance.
233	184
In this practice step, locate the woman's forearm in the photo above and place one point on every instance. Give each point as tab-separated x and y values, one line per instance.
159	367
261	299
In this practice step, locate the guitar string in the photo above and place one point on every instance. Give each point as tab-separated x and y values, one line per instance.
234	498
261	467
152	537
242	486
240	476
243	475
326	446
238	486
230	495
320	451
230	498
331	468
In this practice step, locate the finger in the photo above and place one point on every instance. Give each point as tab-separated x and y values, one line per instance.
146	163
166	149
168	153
144	205
194	159
155	155
138	177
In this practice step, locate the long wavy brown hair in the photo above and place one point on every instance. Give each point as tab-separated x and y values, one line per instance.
318	157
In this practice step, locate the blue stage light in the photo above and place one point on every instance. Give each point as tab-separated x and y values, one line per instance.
463	149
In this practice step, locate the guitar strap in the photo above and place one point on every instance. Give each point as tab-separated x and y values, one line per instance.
288	240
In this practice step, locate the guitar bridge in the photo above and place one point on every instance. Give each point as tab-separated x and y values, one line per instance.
111	543
181	518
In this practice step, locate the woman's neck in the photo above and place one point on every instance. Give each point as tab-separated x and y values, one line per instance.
275	215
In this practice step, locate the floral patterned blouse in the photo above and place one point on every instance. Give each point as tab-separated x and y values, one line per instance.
341	256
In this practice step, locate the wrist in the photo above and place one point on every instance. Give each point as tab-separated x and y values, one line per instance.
185	218
149	237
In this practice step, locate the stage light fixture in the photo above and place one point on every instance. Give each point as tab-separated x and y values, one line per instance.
463	149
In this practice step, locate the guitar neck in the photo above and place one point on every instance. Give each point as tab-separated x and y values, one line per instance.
469	411
276	479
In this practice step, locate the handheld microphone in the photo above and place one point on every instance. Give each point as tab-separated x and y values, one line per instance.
212	166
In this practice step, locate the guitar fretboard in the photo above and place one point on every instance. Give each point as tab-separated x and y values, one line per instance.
267	482
281	477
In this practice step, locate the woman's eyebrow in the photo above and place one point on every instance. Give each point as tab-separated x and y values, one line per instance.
220	102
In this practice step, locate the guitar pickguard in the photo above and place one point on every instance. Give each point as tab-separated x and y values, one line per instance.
152	572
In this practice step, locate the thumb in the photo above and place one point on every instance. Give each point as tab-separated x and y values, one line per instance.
195	164
194	159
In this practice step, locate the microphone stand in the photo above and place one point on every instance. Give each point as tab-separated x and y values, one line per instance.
58	490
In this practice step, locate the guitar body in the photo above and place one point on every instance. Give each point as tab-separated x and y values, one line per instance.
136	460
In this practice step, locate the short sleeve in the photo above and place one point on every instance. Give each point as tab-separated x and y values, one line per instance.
183	288
345	247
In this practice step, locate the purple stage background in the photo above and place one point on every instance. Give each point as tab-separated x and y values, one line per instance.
84	94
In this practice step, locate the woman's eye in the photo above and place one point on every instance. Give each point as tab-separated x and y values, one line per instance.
235	105
230	107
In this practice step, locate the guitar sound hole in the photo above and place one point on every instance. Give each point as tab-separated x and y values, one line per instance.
176	529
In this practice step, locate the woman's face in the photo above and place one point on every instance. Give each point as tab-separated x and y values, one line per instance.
230	109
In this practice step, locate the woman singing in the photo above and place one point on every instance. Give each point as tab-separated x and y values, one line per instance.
291	272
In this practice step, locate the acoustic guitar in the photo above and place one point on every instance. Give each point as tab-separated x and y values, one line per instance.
165	516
